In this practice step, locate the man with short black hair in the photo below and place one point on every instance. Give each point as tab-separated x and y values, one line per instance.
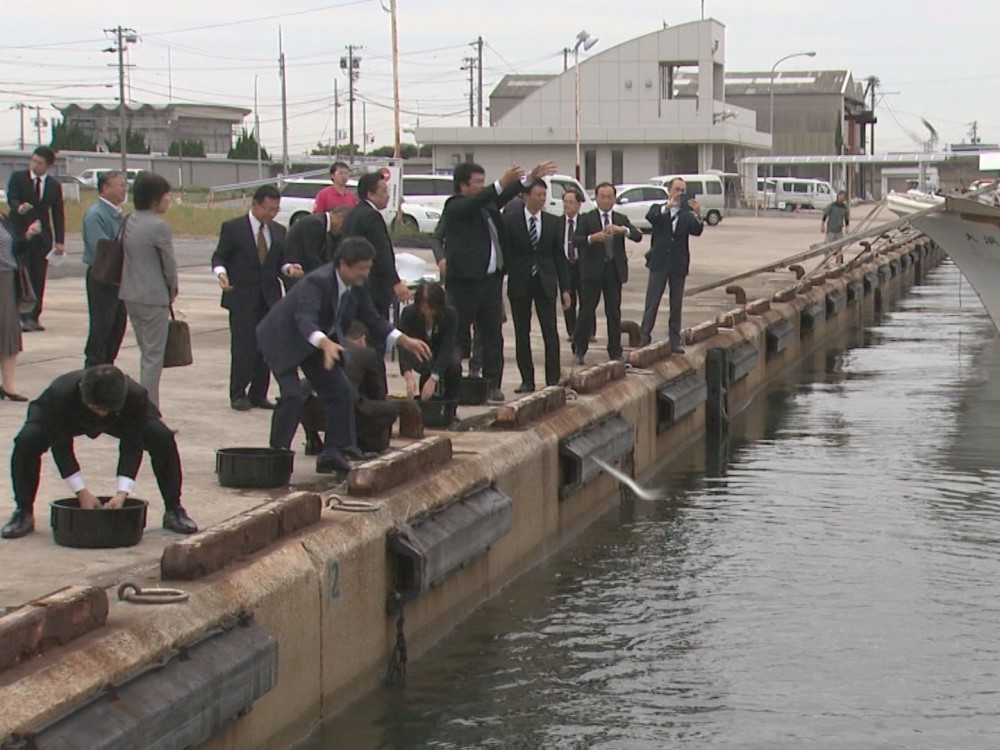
312	240
307	330
34	195
248	260
100	401
366	221
836	218
107	313
337	194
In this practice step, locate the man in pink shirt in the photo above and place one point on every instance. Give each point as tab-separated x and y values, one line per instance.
337	194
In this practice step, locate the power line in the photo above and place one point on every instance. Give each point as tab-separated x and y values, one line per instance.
284	15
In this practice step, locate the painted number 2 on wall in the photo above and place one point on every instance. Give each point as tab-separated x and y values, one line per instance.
334	579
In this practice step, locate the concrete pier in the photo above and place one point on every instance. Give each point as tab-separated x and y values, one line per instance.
322	591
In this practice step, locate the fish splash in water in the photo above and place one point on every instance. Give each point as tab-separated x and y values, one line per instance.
621	476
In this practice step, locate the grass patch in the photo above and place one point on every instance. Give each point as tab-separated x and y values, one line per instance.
185	219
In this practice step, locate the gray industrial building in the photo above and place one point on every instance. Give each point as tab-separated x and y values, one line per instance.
212	124
636	121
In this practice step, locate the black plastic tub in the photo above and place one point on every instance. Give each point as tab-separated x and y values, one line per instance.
101	528
472	391
257	468
438	412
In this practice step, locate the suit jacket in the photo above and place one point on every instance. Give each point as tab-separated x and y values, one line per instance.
310	306
251	281
149	274
442	340
669	249
591	254
466	232
60	411
366	221
364	369
562	235
520	256
49	210
309	242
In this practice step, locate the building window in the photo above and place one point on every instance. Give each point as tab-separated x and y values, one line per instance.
617	166
469	156
590	169
678	80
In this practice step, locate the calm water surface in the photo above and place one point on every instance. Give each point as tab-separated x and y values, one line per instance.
832	582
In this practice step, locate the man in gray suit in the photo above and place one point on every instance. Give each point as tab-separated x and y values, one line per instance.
107	313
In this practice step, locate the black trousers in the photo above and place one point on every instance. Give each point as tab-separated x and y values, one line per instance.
591	291
570	313
374	421
32	442
450	381
107	323
481	302
246	364
545	308
338	404
660	281
33	258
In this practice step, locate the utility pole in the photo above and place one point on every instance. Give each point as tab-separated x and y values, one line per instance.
285	166
21	106
256	130
469	64
395	90
566	52
122	37
479	67
873	83
336	119
352	65
364	128
38	123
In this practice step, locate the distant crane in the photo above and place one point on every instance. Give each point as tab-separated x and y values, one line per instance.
932	141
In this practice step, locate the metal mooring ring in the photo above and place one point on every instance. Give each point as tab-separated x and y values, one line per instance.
131	592
336	502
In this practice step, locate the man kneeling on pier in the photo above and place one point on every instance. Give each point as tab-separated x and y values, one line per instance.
99	401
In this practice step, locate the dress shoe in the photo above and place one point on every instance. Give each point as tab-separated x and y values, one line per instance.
38	326
178	520
497	395
525	388
4	394
332	463
579	360
354	453
314	444
28	325
263	404
677	350
20	524
241	403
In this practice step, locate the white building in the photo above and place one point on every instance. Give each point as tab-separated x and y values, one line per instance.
635	120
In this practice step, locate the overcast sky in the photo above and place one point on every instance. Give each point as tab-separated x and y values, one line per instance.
935	60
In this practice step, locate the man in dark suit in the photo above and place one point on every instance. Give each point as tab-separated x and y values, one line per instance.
669	258
98	401
567	234
366	221
306	330
600	242
33	194
248	260
474	243
312	241
536	274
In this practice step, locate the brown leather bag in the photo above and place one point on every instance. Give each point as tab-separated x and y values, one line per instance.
109	257
178	352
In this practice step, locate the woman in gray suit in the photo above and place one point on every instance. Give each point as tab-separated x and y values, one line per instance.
149	276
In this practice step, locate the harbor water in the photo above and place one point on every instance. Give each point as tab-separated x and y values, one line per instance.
831	580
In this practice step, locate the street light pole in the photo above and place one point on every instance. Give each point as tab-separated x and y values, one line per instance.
770	128
585	39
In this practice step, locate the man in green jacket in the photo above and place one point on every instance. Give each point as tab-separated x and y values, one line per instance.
836	218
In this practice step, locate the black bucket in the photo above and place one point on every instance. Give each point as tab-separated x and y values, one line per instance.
438	413
472	391
257	468
72	526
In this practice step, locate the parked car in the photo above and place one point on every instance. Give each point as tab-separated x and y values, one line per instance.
88	177
708	190
297	197
635	201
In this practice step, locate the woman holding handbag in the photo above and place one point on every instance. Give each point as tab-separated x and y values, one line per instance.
149	276
10	318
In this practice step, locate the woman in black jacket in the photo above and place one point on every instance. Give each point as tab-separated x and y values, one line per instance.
431	319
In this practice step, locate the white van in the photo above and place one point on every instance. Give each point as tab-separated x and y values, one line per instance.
88	177
433	191
708	190
791	193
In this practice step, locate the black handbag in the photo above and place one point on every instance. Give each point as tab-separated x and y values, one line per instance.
109	257
178	351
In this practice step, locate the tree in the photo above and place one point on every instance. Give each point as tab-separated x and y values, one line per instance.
327	149
406	151
71	138
426	150
246	147
184	147
135	143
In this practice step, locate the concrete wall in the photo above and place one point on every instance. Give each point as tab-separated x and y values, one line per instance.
323	595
